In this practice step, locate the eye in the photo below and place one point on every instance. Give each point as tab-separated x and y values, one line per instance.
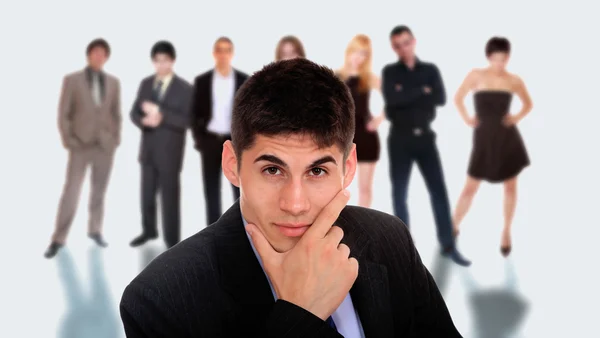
272	171
317	171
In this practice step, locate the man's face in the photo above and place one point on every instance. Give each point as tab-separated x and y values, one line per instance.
163	64
223	53
97	58
404	45
285	182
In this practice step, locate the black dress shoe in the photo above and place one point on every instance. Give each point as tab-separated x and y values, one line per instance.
141	239
52	250
453	253
98	239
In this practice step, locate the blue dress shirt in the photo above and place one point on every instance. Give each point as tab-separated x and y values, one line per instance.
345	317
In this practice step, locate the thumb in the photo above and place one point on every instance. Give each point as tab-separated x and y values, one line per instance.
262	246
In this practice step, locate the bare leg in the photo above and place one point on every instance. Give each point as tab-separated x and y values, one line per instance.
510	203
366	171
464	202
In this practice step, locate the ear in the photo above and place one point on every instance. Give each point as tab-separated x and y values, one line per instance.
350	164
229	164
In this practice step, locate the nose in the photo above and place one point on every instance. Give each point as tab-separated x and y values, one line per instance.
294	199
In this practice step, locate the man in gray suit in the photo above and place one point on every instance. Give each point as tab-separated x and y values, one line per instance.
161	111
89	121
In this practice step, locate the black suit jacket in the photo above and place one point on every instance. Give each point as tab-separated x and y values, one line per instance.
212	285
163	146
201	113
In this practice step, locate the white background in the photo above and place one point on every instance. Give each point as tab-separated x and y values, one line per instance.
556	228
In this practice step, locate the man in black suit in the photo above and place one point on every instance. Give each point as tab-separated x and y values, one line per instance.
161	111
212	104
275	265
412	89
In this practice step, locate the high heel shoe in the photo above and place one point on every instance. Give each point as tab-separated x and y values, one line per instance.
505	249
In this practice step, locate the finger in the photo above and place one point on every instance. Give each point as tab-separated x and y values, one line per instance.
335	235
328	216
353	264
344	250
262	246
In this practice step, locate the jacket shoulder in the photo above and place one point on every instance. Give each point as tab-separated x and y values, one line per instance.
377	224
203	76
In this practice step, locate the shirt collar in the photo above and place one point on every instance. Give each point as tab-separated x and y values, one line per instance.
91	71
223	77
418	62
166	80
258	257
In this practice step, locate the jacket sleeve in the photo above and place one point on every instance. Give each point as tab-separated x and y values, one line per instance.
148	313
136	114
438	90
397	97
178	117
65	114
287	320
116	112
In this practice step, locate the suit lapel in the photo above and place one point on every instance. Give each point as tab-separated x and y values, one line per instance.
370	292
208	96
108	89
242	276
86	88
238	81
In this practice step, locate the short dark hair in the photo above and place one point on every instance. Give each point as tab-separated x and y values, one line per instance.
163	47
399	30
98	43
497	44
293	97
223	39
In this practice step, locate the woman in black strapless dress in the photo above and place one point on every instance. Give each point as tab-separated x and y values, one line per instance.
359	78
499	153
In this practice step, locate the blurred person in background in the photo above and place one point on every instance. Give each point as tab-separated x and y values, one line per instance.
89	121
412	91
358	75
498	154
161	112
289	47
212	104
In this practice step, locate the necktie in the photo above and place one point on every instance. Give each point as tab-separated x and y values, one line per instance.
96	89
156	91
331	323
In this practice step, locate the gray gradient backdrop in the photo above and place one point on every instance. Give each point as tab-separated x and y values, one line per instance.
548	287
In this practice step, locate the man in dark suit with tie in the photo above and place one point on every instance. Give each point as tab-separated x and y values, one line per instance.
290	259
89	121
212	104
161	111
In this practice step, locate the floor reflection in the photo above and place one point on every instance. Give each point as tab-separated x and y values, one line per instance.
496	312
91	311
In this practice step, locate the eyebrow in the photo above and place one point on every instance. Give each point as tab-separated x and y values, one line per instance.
276	160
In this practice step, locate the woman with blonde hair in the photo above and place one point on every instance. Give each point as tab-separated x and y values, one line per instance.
358	75
289	47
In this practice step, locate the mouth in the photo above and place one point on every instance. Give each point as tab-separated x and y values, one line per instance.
292	229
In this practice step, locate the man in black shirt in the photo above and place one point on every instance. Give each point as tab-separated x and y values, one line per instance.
412	89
